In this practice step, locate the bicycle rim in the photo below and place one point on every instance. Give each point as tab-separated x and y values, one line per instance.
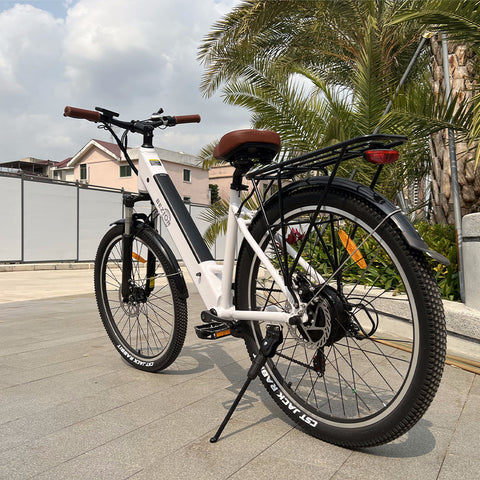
144	326
362	351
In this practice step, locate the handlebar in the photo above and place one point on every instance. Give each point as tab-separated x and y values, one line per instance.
144	127
105	116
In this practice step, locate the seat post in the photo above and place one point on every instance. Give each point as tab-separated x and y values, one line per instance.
237	178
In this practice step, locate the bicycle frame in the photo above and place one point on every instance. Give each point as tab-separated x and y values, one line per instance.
213	281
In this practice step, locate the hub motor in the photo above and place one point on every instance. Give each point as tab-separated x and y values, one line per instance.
325	320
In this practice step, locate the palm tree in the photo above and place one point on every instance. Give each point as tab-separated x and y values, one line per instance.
323	71
332	37
461	21
348	54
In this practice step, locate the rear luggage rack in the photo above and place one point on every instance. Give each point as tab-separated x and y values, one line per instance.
320	159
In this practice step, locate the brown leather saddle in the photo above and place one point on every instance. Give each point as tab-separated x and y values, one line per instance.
245	148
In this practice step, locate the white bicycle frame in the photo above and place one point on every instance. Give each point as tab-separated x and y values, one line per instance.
213	281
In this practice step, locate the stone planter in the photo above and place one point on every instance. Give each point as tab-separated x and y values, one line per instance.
471	259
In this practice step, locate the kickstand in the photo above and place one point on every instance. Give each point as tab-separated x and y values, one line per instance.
272	340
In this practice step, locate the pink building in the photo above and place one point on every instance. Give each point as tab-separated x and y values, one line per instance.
221	175
103	164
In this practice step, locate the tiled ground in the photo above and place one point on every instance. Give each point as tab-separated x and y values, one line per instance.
70	408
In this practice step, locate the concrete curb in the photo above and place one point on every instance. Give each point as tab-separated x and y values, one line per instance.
26	267
462	320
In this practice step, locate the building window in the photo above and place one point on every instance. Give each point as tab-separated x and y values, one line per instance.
187	199
187	175
214	195
83	171
125	171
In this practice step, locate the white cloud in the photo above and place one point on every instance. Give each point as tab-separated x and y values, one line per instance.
132	57
27	59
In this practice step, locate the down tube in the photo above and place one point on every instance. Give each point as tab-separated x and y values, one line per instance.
195	254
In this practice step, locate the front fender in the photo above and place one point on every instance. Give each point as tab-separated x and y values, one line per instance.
177	277
409	232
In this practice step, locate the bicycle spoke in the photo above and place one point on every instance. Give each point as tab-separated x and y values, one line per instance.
356	376
146	323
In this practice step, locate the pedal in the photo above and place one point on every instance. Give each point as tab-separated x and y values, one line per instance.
213	330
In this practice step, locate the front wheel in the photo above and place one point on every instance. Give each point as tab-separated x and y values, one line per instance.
363	361
149	329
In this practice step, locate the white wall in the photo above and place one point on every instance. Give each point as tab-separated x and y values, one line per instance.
53	221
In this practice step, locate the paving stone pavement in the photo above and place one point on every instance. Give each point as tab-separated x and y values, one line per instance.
70	408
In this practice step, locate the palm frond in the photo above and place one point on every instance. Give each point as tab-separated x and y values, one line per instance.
459	18
216	215
206	156
418	113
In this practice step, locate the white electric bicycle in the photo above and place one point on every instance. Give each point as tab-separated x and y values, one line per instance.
331	289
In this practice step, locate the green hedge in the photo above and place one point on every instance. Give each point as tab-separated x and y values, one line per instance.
441	238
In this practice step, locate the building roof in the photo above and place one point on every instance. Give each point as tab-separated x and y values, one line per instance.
63	163
30	161
112	147
113	150
109	148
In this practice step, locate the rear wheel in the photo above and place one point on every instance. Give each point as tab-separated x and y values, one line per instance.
362	363
149	330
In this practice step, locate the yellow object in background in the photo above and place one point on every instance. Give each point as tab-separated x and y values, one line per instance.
352	249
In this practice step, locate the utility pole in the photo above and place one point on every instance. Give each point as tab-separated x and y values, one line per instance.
457	211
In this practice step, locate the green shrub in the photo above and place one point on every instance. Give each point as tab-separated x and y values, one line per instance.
380	273
442	239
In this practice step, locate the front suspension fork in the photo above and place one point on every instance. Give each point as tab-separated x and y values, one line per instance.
127	241
127	248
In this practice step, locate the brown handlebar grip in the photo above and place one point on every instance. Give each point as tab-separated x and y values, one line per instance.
187	119
90	115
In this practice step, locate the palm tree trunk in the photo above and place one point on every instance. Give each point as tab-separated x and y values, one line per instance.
461	74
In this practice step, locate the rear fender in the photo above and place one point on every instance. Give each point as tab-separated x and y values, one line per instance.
408	231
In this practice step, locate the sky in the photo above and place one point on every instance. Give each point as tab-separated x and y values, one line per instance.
129	56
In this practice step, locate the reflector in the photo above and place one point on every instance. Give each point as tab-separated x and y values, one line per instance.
137	257
352	249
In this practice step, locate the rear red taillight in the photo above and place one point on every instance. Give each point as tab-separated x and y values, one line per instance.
380	157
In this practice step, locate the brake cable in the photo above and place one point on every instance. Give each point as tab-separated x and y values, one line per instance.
120	144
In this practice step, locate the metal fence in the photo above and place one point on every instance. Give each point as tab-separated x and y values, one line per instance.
43	220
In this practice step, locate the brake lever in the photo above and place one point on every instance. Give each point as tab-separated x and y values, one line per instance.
159	120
